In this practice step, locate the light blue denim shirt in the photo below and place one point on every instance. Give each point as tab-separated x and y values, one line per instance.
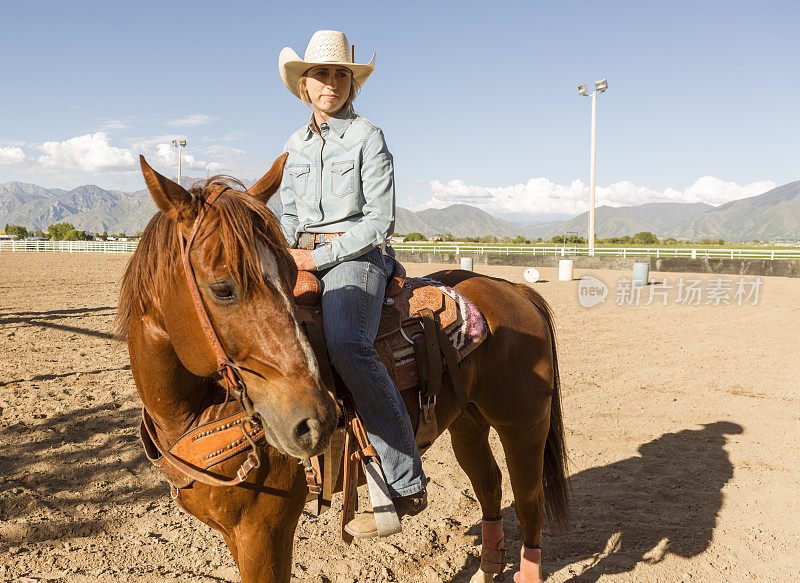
339	181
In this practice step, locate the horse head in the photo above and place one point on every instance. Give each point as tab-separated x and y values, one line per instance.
245	277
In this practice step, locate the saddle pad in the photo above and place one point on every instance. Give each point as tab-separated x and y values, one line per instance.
453	312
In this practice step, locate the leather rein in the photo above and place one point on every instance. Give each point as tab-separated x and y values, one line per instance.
229	371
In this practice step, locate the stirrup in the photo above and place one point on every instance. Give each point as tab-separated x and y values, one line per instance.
383	509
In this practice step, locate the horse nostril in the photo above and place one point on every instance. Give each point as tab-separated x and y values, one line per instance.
307	430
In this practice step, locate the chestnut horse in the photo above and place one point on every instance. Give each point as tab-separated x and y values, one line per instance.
245	277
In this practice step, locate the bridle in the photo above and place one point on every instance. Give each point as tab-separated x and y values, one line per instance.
230	372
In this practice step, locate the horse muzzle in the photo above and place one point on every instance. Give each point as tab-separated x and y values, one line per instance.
302	431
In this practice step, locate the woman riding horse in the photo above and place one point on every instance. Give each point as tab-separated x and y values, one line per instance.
338	208
206	309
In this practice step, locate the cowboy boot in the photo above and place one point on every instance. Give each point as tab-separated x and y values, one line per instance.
364	526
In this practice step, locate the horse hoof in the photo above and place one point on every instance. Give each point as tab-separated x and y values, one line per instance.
482	577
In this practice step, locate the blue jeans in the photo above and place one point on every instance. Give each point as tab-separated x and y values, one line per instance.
352	297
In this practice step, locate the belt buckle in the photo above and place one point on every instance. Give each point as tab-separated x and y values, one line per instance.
305	240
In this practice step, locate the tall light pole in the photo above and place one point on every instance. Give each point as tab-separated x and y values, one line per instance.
599	87
179	144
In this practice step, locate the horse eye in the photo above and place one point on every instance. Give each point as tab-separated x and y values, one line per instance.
222	291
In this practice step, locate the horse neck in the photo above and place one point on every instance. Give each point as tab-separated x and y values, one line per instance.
172	357
172	395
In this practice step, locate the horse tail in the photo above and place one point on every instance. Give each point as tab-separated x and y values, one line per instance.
555	478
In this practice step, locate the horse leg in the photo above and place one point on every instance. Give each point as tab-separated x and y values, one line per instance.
264	557
230	542
469	435
524	449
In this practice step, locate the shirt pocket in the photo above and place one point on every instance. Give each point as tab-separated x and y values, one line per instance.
299	174
343	178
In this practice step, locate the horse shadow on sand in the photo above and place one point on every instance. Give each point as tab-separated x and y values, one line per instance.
45	320
634	511
71	474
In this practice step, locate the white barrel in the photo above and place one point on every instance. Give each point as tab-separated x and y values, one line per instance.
565	269
466	263
641	273
531	275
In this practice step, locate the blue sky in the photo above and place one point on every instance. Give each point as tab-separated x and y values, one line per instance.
478	101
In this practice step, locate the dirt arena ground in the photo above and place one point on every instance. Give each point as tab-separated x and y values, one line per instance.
682	426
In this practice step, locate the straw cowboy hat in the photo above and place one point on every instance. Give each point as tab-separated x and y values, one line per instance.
326	47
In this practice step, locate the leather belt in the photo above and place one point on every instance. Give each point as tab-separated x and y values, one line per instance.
307	240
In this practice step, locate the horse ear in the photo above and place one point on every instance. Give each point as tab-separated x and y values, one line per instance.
269	183
171	198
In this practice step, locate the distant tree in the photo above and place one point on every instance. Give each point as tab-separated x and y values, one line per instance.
448	236
39	233
60	230
17	230
645	238
74	235
570	240
416	237
670	241
720	241
104	236
488	239
520	240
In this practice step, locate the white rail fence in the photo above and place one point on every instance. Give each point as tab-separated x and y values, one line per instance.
692	253
70	246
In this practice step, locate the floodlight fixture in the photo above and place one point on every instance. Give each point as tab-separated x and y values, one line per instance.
599	87
180	144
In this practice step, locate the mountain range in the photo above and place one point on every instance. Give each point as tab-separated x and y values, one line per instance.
774	215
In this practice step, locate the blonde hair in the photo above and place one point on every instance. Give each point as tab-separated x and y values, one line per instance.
348	104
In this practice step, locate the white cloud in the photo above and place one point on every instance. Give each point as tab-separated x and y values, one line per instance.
116	125
191	121
215	167
541	196
714	191
168	156
11	155
91	152
233	136
223	151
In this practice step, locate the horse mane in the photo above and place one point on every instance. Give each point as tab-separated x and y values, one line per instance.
237	219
